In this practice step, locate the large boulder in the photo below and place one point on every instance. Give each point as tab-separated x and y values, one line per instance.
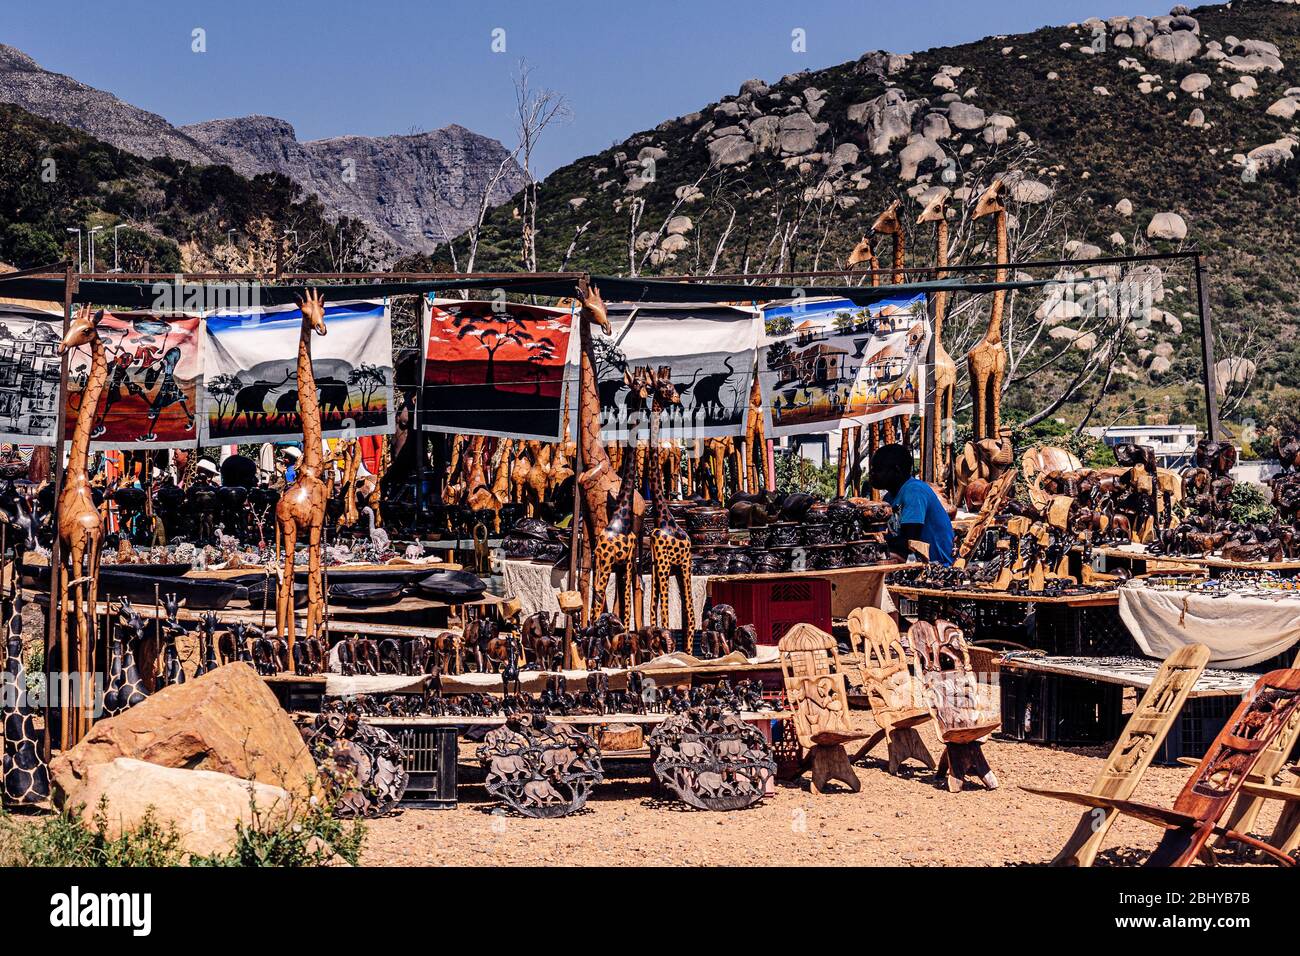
966	116
1177	47
204	806
227	721
798	134
887	117
730	151
1167	225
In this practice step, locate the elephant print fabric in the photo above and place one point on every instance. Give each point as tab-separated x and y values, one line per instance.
250	382
826	364
151	396
710	351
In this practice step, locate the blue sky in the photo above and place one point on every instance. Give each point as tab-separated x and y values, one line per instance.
334	67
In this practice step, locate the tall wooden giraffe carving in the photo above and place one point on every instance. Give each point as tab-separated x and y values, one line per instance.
598	482
80	524
945	369
300	512
987	361
862	252
670	546
616	546
889	224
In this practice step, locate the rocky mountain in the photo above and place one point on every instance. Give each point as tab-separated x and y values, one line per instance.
1128	135
414	190
417	189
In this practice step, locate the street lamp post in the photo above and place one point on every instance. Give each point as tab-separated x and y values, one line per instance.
91	233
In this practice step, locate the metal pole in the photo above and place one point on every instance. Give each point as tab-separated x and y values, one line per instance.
1207	351
931	397
56	558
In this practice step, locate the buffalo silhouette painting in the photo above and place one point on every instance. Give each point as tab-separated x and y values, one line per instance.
248	395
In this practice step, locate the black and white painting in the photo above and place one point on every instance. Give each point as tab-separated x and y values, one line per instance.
29	374
710	350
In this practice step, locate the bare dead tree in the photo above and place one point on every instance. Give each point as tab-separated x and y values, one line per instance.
535	110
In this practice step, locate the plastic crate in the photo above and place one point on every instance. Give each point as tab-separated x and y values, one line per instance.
429	758
775	605
1196	727
1051	709
1081	632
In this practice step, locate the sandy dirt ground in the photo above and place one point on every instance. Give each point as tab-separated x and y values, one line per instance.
909	820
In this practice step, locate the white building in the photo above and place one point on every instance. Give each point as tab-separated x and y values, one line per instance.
1174	444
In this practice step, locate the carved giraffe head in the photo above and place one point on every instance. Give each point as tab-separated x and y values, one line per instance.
863	252
593	305
934	210
81	331
665	392
313	310
990	200
888	223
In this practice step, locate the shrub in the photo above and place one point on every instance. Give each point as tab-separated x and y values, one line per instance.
63	840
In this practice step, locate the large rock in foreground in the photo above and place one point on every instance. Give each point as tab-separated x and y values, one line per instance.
227	721
205	807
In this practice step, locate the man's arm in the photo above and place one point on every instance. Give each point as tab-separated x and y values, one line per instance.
906	533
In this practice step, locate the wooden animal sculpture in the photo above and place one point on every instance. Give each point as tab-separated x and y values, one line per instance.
300	512
895	697
80	526
964	708
1146	730
480	635
987	361
757	474
616	548
351	458
207	644
26	776
598	482
125	686
173	673
670	545
888	223
1216	781
945	369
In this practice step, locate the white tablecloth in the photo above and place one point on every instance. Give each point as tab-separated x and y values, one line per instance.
536	586
1239	630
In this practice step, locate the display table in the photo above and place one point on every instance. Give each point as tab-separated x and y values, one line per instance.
1240	629
536	585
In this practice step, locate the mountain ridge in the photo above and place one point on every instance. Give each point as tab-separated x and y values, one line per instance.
415	190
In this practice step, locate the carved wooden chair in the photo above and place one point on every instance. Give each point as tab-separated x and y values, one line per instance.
1270	781
964	704
1134	750
818	693
1218	778
896	698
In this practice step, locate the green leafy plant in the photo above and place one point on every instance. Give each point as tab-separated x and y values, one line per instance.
1250	505
309	837
64	840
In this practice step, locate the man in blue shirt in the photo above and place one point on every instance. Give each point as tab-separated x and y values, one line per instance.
919	515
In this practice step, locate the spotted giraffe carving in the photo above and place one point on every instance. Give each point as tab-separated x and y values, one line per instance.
670	546
26	777
125	685
173	673
616	546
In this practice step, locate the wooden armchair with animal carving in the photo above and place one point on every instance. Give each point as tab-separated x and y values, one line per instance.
896	698
817	689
